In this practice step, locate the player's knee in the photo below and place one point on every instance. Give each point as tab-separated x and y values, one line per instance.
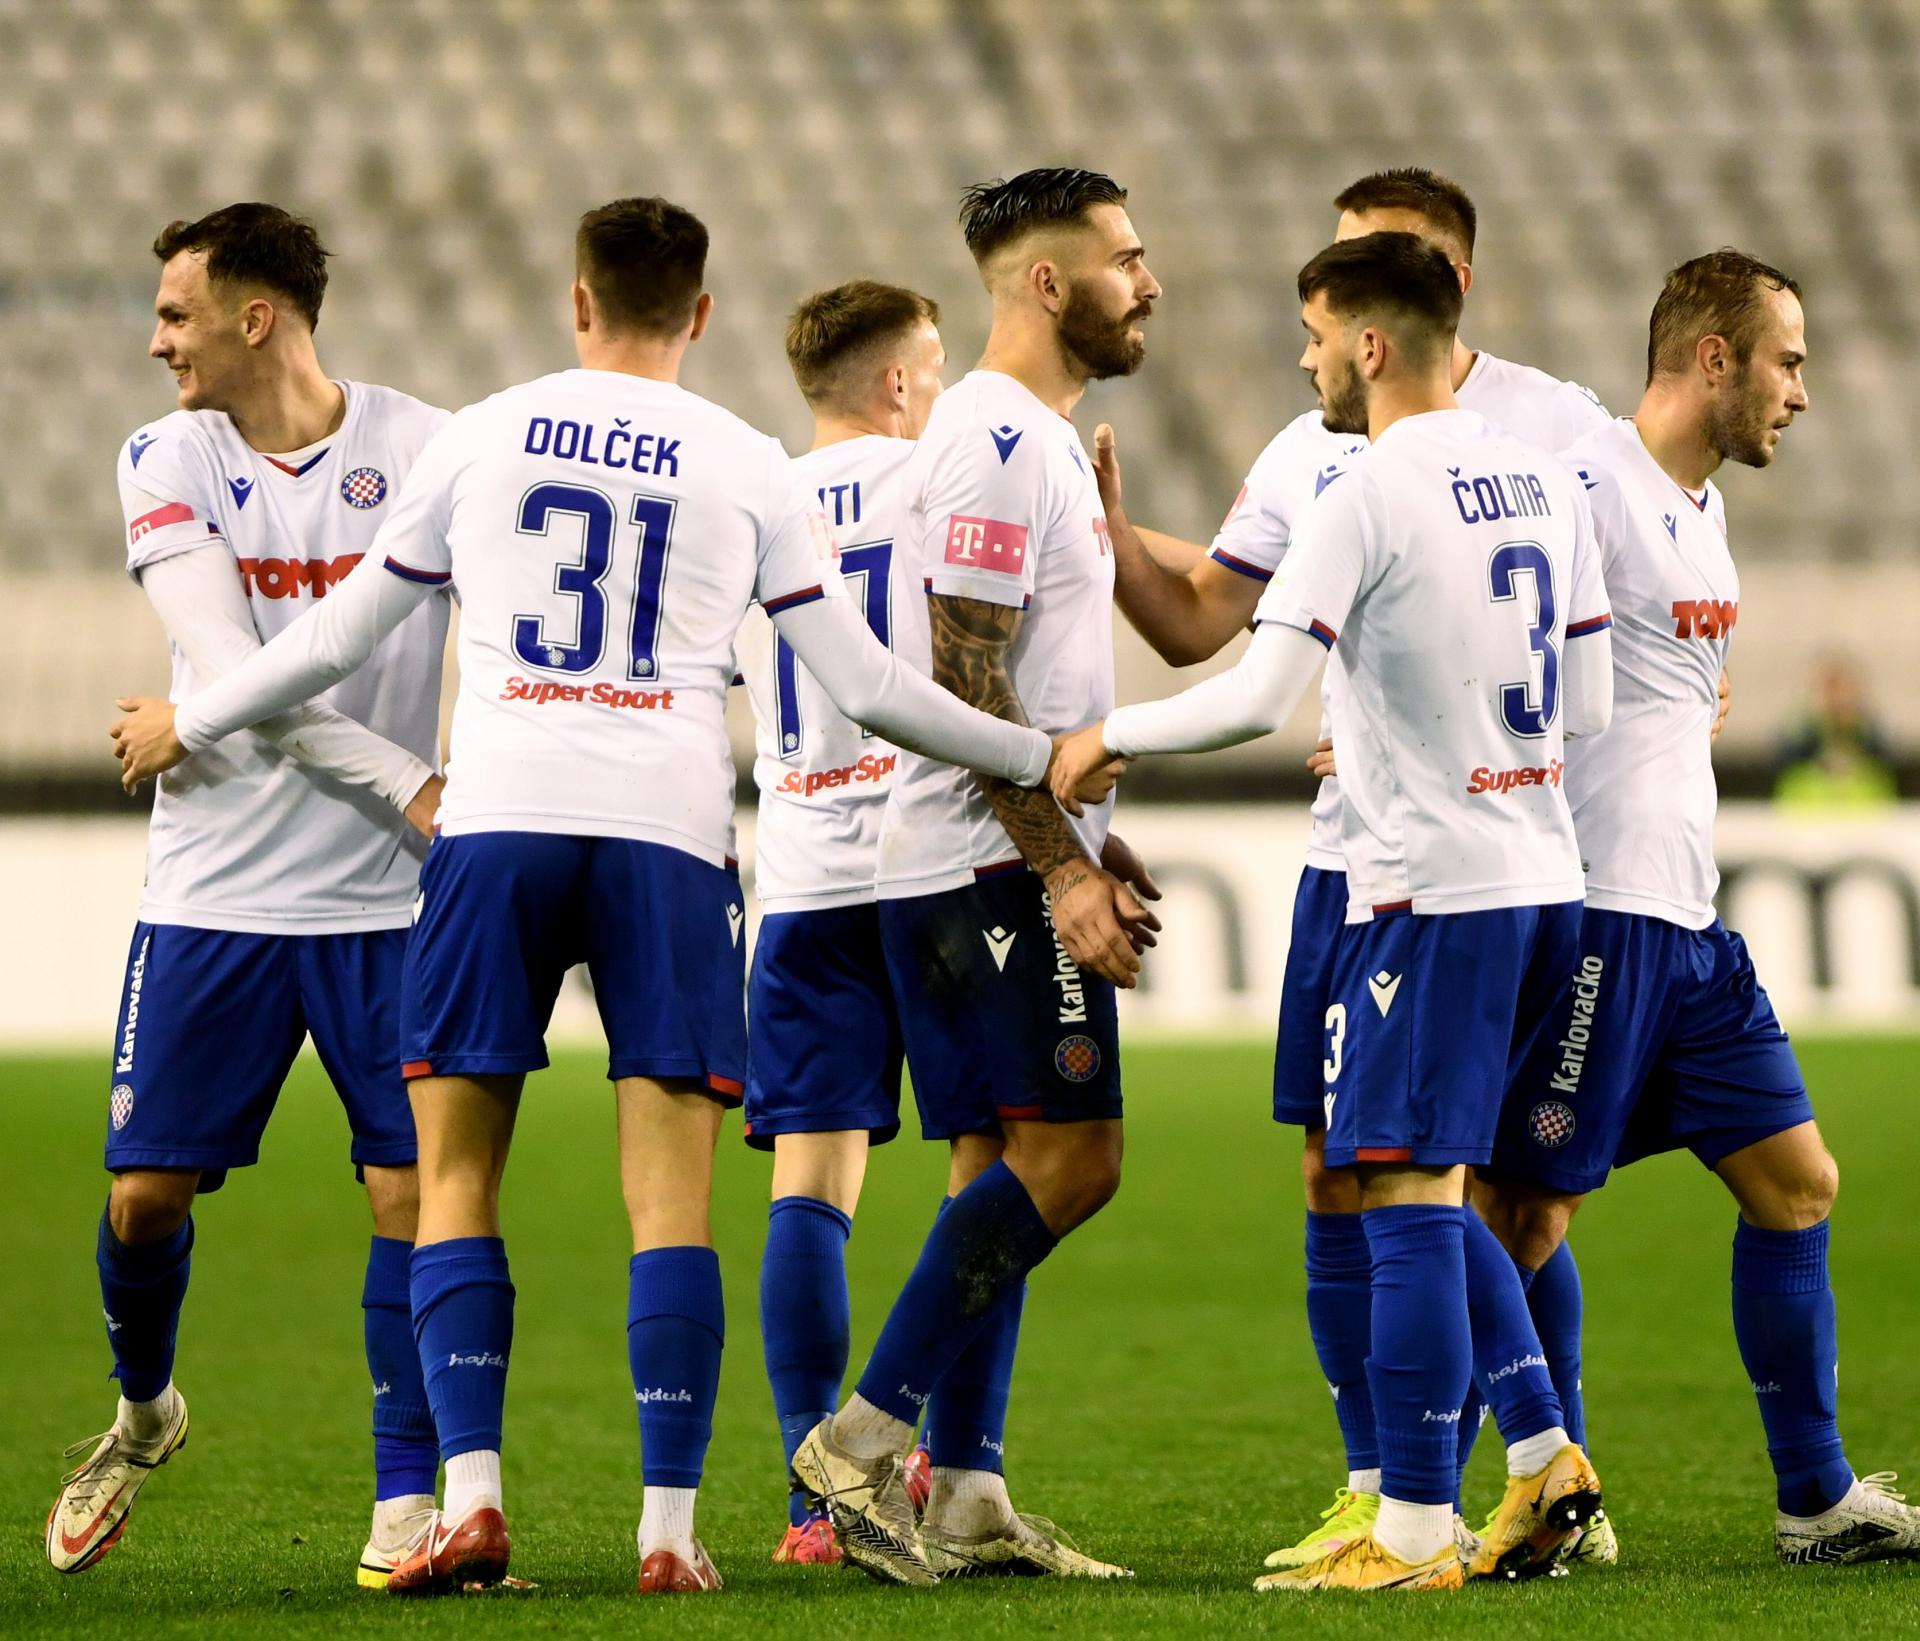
1811	1192
1529	1224
1071	1170
394	1196
146	1205
1327	1190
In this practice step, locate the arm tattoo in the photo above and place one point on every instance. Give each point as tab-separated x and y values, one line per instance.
971	639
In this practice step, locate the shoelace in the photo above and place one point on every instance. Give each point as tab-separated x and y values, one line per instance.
107	1441
1342	1497
1881	1483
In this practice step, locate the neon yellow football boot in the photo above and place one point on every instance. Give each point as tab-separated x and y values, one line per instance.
1348	1517
1364	1563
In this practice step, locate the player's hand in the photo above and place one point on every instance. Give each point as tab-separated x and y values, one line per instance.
1726	701
1106	468
1092	912
1082	769
424	805
1320	759
1121	859
144	740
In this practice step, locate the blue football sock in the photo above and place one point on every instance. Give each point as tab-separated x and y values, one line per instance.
967	1418
1473	1411
1556	1303
463	1325
676	1325
1783	1319
806	1318
1509	1367
142	1289
978	1252
1340	1318
406	1458
1421	1355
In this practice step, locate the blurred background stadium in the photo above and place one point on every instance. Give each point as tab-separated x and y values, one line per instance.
445	148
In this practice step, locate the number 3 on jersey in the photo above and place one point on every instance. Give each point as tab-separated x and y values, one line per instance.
1529	710
867	564
585	581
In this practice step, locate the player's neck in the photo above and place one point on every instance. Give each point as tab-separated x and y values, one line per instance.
1394	399
1463	361
838	429
289	409
1675	434
1035	359
650	356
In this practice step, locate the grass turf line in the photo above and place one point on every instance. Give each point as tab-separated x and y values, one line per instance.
1167	1410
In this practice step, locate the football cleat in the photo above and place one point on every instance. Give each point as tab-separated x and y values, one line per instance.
867	1499
1024	1547
1364	1563
917	1473
1596	1546
1872	1523
671	1572
1466	1542
396	1535
811	1544
467	1554
1350	1515
90	1514
1538	1518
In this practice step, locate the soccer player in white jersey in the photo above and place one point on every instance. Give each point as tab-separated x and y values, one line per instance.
1004	934
1453	569
605	531
1663	1038
280	869
1188	602
823	1035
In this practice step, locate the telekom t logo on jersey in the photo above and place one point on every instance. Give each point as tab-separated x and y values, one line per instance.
986	544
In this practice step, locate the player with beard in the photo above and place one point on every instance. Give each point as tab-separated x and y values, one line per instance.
1006	925
1664	1038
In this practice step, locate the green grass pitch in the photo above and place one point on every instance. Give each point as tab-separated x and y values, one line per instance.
1167	1410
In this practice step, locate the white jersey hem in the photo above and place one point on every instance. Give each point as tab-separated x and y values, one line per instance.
1325	860
584	826
815	900
934	883
1360	906
231	922
1640	905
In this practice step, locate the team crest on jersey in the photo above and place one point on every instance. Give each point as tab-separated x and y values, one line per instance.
121	1105
1077	1058
1551	1124
364	487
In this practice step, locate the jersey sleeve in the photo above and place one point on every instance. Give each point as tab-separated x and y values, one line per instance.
1327	566
1577	411
413	544
984	501
166	495
799	560
1587	607
1253	537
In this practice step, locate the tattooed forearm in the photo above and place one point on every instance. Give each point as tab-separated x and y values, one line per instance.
971	639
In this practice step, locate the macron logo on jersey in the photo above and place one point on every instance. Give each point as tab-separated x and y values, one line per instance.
1005	437
138	445
241	488
986	544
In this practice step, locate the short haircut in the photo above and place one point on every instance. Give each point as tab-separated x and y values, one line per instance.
1397	281
831	331
1719	294
255	244
645	261
1441	200
995	214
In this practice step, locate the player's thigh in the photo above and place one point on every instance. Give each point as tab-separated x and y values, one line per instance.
350	992
498	924
668	1128
465	1131
1300	1050
823	1037
666	950
1420	1033
1584	1065
208	1028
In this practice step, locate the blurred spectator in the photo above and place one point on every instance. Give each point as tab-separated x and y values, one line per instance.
1835	756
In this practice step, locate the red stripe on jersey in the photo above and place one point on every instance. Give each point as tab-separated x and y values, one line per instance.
1020	1113
1388	908
1598	623
1383	1153
416	1068
724	1085
175	512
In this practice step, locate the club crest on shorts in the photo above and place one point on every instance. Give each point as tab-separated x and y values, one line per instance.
121	1106
1550	1123
364	487
1077	1058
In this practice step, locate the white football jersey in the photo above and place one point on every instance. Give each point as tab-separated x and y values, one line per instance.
1450	566
605	534
1642	790
1304	458
242	836
823	779
1001	506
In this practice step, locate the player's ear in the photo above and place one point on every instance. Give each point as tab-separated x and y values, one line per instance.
1464	273
256	322
702	312
582	307
1710	352
1045	278
897	386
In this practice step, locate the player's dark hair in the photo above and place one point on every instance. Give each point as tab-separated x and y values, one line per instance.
834	329
255	244
645	261
1719	294
1399	282
995	214
1441	200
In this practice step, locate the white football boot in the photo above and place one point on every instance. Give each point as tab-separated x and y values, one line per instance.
400	1527
90	1514
1872	1523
